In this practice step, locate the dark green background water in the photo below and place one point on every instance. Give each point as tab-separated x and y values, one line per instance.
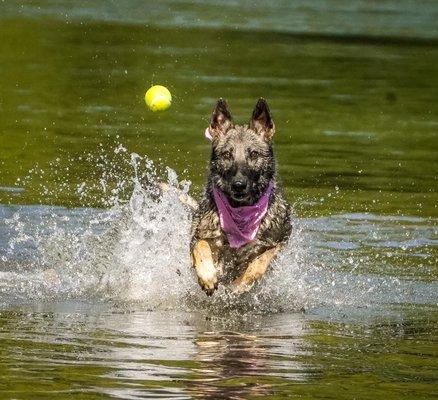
361	115
353	87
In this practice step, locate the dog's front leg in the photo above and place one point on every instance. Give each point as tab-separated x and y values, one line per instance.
255	270
203	262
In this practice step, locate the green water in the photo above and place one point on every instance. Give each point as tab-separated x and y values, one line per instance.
353	90
361	116
91	359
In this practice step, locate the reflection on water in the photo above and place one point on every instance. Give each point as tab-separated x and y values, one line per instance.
258	357
127	353
131	354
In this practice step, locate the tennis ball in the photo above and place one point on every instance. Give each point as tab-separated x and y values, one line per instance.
158	98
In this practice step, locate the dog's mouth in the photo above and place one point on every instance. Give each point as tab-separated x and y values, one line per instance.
240	195
237	198
240	198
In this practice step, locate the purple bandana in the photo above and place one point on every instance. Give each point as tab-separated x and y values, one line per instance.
241	224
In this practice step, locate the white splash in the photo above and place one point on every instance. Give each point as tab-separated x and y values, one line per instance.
138	251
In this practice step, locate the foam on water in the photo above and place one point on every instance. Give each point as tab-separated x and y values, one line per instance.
137	251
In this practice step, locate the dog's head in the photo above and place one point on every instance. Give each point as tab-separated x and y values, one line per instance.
242	160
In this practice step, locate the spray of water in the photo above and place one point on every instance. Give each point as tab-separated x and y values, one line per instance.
136	250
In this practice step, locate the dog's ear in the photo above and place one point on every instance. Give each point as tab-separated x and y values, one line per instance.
221	121
261	121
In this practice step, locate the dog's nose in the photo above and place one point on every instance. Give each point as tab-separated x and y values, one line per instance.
239	186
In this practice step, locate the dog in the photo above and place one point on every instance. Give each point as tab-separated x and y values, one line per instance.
243	219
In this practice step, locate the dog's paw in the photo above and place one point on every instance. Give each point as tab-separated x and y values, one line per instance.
207	278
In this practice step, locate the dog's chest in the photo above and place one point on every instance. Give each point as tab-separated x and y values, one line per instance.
233	261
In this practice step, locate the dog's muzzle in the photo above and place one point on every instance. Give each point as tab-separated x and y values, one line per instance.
239	188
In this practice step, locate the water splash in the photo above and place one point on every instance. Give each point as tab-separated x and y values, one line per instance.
137	250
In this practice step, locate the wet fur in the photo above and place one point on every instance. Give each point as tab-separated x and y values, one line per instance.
244	153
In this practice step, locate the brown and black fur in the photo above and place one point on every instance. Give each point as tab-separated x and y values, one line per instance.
242	165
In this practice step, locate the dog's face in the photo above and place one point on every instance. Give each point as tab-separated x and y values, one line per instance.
242	161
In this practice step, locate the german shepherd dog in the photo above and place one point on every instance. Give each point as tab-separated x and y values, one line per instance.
243	219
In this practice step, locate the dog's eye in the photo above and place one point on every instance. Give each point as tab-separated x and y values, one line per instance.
226	155
254	154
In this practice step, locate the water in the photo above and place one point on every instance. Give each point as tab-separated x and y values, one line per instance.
97	299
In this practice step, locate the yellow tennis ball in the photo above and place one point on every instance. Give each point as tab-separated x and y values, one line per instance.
158	98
